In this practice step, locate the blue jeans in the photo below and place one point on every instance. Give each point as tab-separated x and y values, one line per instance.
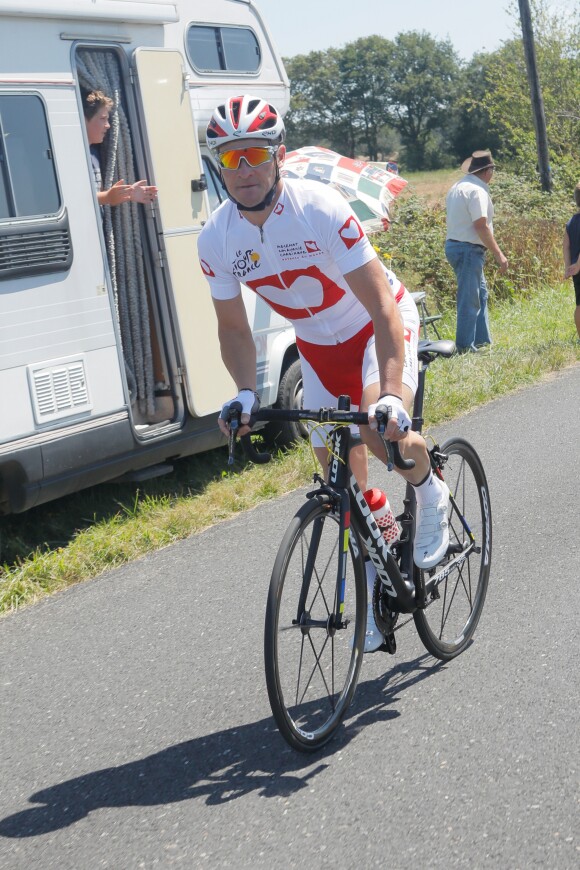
472	315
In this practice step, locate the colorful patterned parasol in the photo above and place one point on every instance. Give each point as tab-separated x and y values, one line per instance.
368	188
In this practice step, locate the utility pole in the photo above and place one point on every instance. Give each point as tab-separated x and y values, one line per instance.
536	95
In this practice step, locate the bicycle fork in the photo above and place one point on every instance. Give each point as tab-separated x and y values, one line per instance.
335	620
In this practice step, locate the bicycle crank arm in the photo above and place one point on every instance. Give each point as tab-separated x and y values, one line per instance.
442	575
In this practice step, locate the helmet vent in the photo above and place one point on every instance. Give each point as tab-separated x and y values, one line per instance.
236	107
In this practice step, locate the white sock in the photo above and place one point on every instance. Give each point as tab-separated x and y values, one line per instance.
429	491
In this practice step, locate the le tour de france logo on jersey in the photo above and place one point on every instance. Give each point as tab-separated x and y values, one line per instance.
245	262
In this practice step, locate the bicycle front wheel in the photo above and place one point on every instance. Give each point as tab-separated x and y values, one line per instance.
446	626
312	650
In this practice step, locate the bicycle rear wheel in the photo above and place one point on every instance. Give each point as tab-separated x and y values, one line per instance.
454	606
313	655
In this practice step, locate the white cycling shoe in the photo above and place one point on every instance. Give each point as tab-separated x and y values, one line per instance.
432	531
373	637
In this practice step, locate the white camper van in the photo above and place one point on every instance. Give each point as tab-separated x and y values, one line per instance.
109	360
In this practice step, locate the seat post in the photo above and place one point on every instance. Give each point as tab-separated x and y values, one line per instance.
417	425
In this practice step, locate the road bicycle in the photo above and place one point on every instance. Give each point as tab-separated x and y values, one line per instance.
317	602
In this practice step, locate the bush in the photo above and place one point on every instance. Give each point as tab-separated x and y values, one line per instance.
414	247
529	225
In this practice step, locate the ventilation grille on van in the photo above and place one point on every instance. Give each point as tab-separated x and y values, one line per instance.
60	391
32	252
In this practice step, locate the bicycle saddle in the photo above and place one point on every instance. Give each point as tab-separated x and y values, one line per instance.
441	347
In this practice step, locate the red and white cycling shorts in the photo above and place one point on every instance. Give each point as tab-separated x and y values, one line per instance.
329	371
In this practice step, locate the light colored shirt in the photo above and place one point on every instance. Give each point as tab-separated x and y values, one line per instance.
467	201
296	262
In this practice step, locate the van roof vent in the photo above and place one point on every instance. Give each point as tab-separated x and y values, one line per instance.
59	391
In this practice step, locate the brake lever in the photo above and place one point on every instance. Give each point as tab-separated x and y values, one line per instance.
391	447
381	428
235	411
390	454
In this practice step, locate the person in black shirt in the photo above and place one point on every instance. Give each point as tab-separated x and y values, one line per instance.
572	254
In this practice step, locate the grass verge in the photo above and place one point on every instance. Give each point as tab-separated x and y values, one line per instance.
79	537
432	186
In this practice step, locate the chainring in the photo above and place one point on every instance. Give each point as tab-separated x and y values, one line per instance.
385	616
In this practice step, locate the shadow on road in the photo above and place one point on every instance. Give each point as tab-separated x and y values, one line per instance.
218	767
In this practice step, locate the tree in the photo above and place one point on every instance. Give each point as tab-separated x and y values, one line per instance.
422	83
356	99
317	115
363	67
469	128
507	98
349	98
338	97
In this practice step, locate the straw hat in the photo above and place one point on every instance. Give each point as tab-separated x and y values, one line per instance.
478	161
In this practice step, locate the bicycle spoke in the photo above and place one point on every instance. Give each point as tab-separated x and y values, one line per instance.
316	667
457	587
311	674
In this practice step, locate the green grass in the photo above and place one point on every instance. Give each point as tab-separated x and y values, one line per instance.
532	337
80	536
433	185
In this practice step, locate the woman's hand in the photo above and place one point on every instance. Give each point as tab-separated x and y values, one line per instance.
142	192
118	193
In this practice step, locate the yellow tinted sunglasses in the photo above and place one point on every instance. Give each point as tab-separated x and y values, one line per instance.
254	156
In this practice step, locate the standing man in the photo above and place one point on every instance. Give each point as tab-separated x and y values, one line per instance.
469	236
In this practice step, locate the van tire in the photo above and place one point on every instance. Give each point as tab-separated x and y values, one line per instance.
284	434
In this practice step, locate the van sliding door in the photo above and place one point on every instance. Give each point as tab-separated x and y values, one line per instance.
171	137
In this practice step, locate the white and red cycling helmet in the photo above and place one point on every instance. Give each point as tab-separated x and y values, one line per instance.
244	117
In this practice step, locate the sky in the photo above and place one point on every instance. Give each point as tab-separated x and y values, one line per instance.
302	26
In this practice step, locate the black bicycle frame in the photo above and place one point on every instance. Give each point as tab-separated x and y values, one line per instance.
360	515
406	588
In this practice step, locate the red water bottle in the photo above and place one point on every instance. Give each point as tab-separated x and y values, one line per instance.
383	515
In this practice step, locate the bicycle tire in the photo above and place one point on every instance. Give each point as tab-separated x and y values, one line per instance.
447	625
312	670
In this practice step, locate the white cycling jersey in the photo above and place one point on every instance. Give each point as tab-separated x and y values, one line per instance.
296	262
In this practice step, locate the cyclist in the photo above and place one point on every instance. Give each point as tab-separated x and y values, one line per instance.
298	245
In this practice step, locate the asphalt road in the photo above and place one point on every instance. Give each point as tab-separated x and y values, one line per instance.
136	731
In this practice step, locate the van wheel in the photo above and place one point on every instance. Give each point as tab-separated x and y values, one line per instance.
290	391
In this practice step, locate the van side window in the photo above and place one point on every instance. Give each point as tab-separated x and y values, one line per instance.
34	228
223	49
28	184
